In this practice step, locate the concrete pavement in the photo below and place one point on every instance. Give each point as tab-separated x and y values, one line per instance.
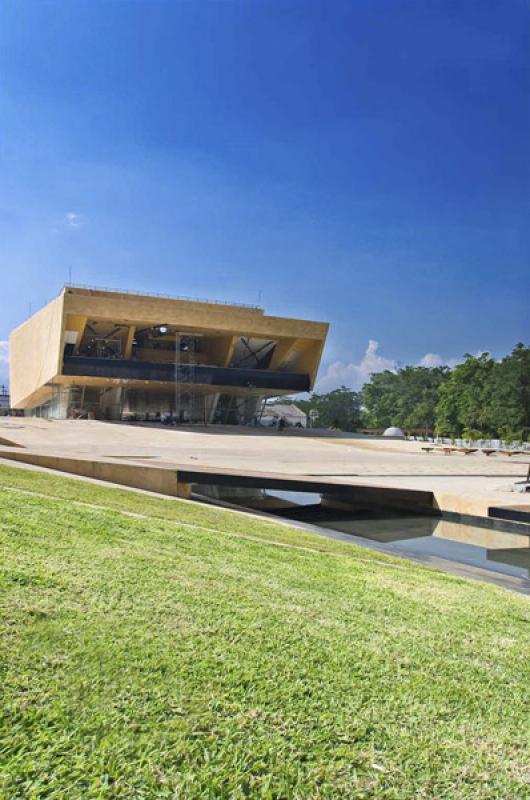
462	484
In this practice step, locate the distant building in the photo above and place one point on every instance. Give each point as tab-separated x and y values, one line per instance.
408	432
394	433
4	399
291	415
112	354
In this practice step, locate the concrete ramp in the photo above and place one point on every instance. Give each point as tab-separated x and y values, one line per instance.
512	513
8	443
179	480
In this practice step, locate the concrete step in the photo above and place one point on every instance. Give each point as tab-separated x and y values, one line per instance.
512	513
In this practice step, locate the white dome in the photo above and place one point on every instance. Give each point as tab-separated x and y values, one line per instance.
397	433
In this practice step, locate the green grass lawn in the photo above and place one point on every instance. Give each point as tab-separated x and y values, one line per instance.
194	653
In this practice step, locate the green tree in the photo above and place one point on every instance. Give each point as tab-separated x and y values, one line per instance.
480	397
406	398
340	408
509	402
465	398
379	399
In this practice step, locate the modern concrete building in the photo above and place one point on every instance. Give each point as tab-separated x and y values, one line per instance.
113	354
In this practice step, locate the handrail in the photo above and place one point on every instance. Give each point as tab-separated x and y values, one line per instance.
157	294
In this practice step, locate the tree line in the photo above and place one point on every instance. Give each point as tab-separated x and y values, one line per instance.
480	398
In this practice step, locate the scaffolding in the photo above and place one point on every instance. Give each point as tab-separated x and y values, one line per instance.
190	406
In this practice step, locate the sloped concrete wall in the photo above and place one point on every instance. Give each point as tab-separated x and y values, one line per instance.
35	353
154	479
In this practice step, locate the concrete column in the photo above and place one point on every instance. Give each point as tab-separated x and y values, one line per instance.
127	350
211	406
110	403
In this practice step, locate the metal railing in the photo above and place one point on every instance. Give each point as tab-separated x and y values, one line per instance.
168	372
32	311
157	294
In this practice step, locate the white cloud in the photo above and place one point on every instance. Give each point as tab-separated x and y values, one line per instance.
435	360
73	220
355	375
431	360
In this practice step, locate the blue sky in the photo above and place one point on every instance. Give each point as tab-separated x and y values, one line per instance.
364	162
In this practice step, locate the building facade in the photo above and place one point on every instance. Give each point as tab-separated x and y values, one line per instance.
113	355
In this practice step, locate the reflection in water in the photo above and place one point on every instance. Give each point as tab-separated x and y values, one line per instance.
472	545
498	551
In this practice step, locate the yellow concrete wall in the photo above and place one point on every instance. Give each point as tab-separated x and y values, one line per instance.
35	352
219	350
305	337
218	318
36	345
308	360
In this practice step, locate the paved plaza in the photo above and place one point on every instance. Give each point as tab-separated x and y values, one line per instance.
462	483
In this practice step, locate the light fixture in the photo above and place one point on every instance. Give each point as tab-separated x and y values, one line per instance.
162	328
